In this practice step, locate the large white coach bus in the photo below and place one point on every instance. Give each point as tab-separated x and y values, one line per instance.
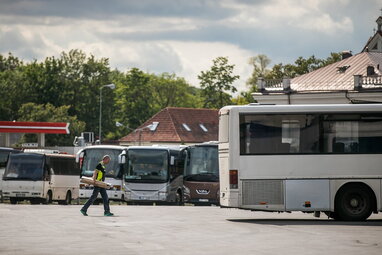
89	157
309	158
153	174
41	178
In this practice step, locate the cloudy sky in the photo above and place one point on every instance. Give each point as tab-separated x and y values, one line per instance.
184	36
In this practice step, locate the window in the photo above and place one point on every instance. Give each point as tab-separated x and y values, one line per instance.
203	127
279	134
310	133
186	127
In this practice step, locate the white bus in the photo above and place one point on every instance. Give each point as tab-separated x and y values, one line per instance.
4	154
153	174
89	157
41	178
309	158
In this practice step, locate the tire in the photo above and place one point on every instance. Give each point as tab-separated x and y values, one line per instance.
13	200
49	197
178	198
68	198
354	203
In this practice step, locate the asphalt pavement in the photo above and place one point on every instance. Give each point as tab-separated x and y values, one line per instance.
59	229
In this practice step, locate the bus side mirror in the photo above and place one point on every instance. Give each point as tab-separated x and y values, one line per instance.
79	155
122	158
172	160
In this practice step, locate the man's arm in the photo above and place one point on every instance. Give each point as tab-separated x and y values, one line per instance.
95	173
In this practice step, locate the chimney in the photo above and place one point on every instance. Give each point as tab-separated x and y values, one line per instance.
379	23
346	54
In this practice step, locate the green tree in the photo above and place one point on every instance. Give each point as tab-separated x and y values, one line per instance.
216	82
50	113
170	90
301	66
135	97
259	64
12	89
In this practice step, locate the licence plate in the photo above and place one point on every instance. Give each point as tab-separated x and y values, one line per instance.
203	200
20	195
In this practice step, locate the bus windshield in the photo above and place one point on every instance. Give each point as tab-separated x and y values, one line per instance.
24	167
202	164
3	158
93	156
147	166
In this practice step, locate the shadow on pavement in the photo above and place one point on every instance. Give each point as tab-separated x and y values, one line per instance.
329	222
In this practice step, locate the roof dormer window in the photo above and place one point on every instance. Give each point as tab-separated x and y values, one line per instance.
203	127
186	127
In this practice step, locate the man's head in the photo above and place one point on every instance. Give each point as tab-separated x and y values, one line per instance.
106	159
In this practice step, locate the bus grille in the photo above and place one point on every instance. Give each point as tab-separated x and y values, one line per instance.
262	192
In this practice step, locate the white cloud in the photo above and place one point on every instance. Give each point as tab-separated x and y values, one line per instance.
185	37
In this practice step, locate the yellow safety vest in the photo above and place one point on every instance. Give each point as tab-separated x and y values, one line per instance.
100	173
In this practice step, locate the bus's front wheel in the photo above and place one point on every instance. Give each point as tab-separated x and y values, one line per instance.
354	203
178	198
49	197
68	198
13	200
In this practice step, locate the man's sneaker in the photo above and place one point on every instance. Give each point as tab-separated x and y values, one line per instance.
108	214
83	213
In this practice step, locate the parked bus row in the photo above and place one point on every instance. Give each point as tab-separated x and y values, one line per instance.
137	174
156	174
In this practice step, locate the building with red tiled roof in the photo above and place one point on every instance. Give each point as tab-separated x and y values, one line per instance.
175	126
354	79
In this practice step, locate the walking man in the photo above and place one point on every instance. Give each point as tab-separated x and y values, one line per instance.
99	175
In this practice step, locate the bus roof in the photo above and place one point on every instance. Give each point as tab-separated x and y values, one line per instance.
156	147
303	108
117	147
47	154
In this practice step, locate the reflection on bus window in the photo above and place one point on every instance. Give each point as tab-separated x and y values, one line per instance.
310	133
94	156
25	167
147	165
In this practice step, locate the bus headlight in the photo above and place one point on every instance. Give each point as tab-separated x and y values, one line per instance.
127	195
186	190
117	187
162	195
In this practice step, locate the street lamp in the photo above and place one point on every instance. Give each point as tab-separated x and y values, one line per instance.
110	86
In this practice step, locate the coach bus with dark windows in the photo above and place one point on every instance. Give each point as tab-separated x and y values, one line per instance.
89	157
41	178
4	154
153	174
310	158
201	174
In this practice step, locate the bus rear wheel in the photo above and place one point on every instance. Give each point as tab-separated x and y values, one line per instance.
13	200
354	203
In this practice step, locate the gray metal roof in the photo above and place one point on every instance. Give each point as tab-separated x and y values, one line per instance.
339	75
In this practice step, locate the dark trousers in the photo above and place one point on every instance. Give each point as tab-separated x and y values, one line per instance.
93	197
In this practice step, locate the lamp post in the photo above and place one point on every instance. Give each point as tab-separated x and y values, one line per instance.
110	86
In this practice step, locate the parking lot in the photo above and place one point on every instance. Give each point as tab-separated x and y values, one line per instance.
57	229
